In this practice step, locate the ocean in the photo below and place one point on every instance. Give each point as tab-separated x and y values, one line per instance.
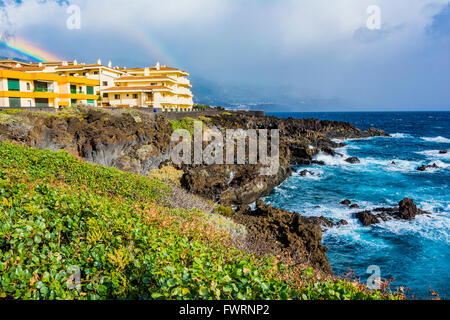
415	254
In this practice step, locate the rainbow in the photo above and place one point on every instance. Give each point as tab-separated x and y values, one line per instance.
24	49
153	46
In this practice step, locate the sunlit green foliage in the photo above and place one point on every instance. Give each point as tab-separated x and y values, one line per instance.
58	214
223	210
185	123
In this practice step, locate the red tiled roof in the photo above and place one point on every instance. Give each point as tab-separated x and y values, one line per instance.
29	69
79	66
50	63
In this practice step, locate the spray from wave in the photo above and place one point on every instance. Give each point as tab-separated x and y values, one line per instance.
438	139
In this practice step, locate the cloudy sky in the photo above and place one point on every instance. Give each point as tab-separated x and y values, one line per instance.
302	54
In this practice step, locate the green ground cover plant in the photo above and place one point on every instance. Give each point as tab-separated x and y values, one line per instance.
59	214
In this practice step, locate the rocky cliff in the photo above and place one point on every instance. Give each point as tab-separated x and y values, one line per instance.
300	141
138	141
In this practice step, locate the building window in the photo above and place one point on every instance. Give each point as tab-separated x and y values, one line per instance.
117	96
73	89
71	74
41	102
105	83
96	72
28	86
73	102
14	102
89	90
90	102
13	85
135	96
105	95
40	86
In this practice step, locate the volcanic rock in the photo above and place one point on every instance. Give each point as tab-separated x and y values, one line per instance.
304	173
278	232
425	167
352	160
138	141
367	218
406	210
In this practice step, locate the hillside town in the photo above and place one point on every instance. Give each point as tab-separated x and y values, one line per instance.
63	84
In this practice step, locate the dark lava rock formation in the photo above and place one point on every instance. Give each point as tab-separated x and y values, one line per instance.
352	160
300	141
406	210
129	140
426	167
304	173
138	141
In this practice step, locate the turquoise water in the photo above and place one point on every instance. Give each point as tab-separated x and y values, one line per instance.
415	253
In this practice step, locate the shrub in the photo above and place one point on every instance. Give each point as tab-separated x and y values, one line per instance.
61	218
202	106
185	123
167	174
224	211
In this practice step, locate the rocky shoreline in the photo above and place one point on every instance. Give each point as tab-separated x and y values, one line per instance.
138	142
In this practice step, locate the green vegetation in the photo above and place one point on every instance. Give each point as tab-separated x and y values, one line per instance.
8	119
185	123
11	111
10	114
166	174
202	106
59	214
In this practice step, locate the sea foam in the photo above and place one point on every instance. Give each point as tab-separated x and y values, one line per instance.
434	154
400	135
438	139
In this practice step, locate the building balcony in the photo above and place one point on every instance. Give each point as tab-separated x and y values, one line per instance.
42	90
183	81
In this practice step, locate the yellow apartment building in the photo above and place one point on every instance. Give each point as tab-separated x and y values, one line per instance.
104	74
158	87
37	89
65	83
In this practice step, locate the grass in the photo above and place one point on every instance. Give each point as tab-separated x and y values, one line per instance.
59	214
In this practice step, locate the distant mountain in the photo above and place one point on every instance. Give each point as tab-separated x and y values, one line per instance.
12	57
269	98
